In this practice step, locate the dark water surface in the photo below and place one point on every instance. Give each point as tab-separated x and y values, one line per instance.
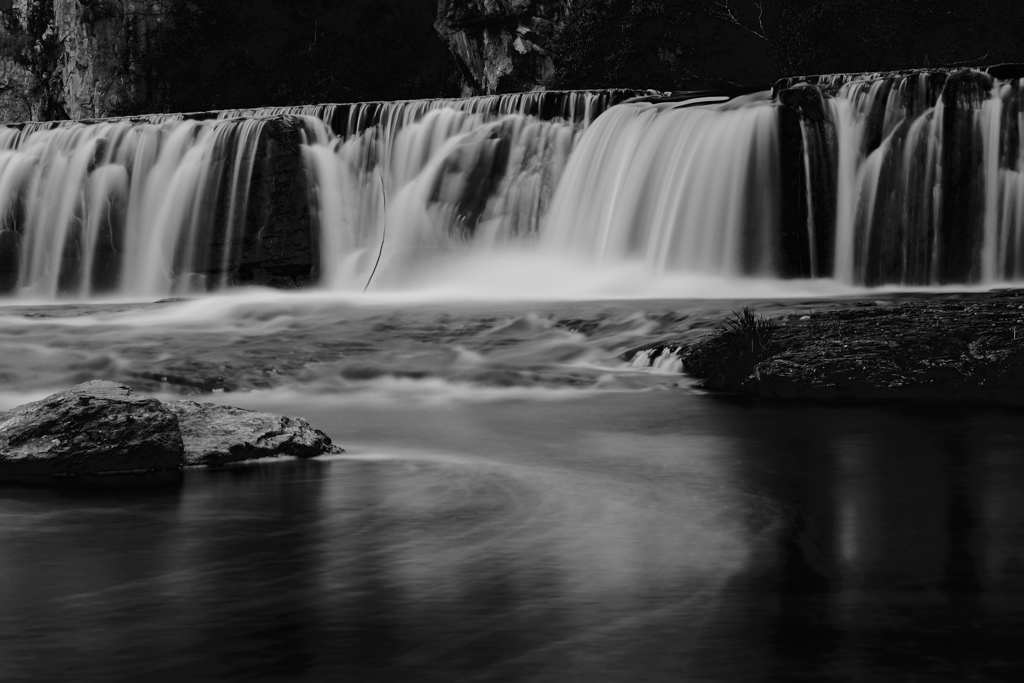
481	532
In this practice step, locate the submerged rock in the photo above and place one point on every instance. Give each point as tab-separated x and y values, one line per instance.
96	427
933	349
215	434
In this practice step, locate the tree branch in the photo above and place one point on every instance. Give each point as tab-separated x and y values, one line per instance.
383	233
721	9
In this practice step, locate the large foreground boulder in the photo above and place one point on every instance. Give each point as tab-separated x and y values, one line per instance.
950	349
215	434
96	427
104	428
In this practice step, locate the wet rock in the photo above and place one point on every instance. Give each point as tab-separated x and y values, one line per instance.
10	259
279	246
96	427
88	58
806	99
216	435
946	349
500	45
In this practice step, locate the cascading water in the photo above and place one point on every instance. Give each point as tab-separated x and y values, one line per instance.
449	179
119	206
927	177
182	203
681	189
911	179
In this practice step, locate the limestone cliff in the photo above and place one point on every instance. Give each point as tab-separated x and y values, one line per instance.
513	45
76	59
501	45
104	43
16	84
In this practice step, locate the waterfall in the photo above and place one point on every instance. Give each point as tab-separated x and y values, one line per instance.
677	188
869	179
163	204
928	177
119	206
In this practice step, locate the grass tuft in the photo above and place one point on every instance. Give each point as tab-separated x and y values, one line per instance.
728	356
744	329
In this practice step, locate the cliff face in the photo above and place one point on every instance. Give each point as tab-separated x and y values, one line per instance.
76	59
104	43
15	91
501	45
514	45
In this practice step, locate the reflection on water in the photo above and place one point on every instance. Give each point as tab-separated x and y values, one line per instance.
658	536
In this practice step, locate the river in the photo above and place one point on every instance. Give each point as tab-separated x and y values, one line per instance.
516	503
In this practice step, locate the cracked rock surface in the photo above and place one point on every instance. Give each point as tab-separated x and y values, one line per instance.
95	427
962	349
102	427
215	434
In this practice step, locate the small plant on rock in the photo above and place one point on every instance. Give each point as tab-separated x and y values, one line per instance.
746	329
727	357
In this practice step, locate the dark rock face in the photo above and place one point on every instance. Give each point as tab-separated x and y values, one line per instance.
969	350
10	259
500	45
94	427
91	55
215	434
276	245
102	66
279	245
807	100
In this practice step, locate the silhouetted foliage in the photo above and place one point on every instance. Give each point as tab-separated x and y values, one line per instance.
686	43
654	44
816	36
283	52
729	355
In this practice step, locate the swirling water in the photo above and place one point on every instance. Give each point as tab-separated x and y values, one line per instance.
517	502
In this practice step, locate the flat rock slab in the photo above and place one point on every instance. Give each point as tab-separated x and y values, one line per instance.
93	428
959	349
215	434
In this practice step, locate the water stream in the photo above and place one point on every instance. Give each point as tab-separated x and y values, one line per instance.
521	499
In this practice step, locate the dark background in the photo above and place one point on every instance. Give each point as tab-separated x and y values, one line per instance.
283	52
211	54
673	43
295	51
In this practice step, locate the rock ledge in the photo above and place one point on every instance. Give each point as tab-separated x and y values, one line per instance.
959	349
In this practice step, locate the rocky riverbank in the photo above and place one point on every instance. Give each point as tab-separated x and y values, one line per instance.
949	349
104	427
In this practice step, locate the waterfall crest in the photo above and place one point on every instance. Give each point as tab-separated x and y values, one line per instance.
910	179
